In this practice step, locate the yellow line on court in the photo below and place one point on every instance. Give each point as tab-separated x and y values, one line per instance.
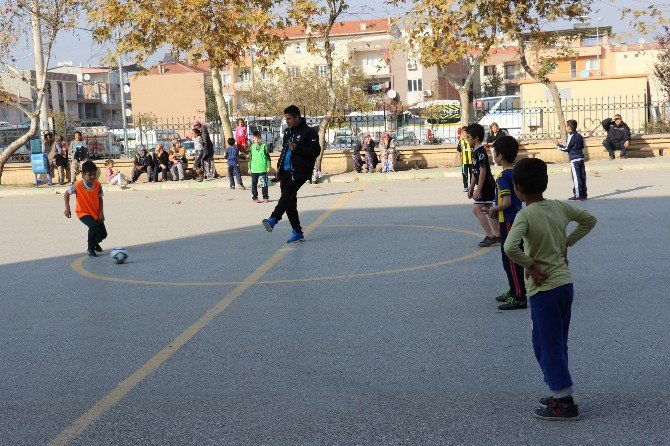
115	395
78	266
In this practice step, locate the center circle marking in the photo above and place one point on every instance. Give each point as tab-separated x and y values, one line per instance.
78	264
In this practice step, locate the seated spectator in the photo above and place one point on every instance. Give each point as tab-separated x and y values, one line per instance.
388	153
618	136
177	158
114	177
161	163
143	164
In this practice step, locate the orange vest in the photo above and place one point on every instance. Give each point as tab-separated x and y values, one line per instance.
88	201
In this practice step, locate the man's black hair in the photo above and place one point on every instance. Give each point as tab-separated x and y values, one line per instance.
256	133
530	175
197	132
88	166
572	124
508	147
231	141
292	110
476	131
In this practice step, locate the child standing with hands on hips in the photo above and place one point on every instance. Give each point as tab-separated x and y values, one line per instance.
542	226
89	206
259	165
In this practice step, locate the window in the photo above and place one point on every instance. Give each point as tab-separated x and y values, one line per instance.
322	70
371	60
512	90
489	70
590	40
592	64
265	74
245	75
573	68
225	78
512	71
510	105
293	71
414	85
412	63
298	48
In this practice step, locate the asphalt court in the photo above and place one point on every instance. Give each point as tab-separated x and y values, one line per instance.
380	329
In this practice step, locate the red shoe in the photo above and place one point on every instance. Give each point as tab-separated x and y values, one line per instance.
255	200
266	200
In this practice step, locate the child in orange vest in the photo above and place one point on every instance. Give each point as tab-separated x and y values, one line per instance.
89	206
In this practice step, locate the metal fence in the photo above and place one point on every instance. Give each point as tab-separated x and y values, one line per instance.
435	125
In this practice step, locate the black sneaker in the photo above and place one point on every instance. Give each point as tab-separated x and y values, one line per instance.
98	248
485	243
557	410
91	253
503	296
513	303
495	240
546	401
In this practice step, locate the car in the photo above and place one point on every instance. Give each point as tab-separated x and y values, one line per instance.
506	111
344	143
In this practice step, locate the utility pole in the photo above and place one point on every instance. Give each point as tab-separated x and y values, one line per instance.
40	72
122	85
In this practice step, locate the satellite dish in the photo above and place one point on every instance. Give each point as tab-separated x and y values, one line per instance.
392	94
126	89
59	64
129	112
69	63
87	77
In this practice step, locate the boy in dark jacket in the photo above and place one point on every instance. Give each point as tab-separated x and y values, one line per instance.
575	148
300	149
618	136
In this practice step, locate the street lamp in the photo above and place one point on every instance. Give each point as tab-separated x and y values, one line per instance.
598	44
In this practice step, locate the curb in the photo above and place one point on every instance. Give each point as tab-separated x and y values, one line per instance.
420	175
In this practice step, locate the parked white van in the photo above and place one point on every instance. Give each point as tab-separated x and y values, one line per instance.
506	111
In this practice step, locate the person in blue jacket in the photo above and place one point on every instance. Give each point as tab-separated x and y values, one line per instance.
575	149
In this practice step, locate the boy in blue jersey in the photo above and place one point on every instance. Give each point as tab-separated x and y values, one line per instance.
507	206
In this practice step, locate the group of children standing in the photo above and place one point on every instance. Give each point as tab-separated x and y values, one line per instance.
534	247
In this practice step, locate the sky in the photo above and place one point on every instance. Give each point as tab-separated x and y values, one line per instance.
80	49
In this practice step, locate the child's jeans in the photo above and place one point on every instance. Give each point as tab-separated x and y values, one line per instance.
96	230
119	179
550	312
263	179
234	170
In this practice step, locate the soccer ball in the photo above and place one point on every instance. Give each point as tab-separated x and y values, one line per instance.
119	255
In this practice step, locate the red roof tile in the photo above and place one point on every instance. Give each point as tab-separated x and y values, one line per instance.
351	27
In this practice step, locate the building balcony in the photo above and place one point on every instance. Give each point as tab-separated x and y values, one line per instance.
242	86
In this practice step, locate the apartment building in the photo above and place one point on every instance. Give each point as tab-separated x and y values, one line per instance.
173	89
9	113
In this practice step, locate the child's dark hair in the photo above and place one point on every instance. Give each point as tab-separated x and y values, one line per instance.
89	166
257	134
476	131
109	163
197	132
572	124
530	175
508	147
78	133
231	141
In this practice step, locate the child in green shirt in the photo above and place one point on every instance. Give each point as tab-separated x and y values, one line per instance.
259	166
541	225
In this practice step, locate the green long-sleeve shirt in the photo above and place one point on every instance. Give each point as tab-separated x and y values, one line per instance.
542	227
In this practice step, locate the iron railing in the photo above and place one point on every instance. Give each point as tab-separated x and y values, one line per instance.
525	120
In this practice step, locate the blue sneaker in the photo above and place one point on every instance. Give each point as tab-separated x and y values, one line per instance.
269	223
296	237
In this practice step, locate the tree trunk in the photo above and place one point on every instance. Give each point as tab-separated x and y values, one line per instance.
466	106
553	89
14	146
221	105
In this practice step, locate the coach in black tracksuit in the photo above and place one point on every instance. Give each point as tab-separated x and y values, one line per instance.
300	148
